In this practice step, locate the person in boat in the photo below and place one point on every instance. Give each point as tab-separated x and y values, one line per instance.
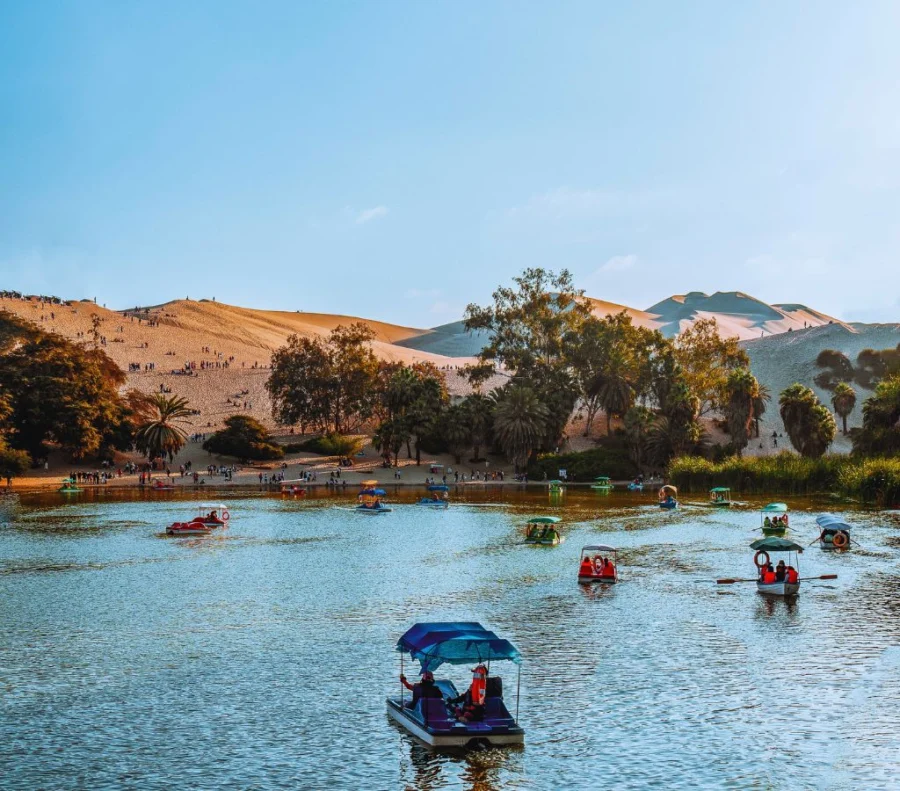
780	571
587	568
598	565
473	698
426	688
609	568
768	575
768	522
793	576
551	535
213	516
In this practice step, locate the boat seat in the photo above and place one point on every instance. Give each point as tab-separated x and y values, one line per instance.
434	713
495	712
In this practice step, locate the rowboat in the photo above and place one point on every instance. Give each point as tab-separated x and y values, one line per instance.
720	497
594	569
774	519
602	484
766	582
483	719
542	531
835	532
668	497
438	496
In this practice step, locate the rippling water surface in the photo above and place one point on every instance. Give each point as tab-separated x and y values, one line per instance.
260	658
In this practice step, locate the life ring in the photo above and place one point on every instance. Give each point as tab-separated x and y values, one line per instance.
756	557
840	539
225	515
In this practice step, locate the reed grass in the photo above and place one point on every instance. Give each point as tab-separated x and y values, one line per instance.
875	480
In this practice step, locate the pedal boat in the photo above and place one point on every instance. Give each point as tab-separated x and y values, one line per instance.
835	532
295	488
557	487
635	486
206	521
431	720
776	514
594	576
370	502
602	484
542	531
668	497
438	497
720	497
774	544
69	486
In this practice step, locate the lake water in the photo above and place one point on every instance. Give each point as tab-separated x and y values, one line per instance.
260	658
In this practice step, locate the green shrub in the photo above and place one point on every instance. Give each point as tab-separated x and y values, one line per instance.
871	480
329	445
244	438
585	465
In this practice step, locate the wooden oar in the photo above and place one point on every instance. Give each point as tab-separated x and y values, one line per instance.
823	577
731	582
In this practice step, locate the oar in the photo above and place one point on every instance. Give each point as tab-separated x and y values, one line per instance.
823	577
731	582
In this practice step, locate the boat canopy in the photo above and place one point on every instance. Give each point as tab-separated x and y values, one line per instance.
438	488
373	482
598	548
556	481
775	544
455	643
775	508
831	522
720	489
374	492
544	520
602	478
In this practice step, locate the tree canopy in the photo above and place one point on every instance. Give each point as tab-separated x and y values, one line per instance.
245	438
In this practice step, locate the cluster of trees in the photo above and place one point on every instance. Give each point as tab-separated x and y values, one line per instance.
872	365
880	432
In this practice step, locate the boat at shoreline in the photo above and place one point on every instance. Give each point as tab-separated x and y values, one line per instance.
430	715
438	496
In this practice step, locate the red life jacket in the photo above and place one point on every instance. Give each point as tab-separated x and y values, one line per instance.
768	577
479	685
792	576
587	568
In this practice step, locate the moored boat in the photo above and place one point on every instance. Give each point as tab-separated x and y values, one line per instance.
159	486
774	519
295	488
542	531
835	532
780	582
431	714
598	568
668	497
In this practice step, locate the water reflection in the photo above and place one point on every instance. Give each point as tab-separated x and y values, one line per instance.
268	647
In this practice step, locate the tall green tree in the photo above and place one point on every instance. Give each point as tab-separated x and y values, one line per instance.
706	359
455	430
327	384
479	410
160	431
60	392
638	426
519	418
809	425
760	403
843	399
741	392
880	432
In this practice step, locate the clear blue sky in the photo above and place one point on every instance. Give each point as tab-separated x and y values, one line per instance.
399	159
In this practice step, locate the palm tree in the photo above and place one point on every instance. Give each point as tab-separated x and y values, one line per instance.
843	400
741	390
159	433
456	431
616	392
479	410
763	397
809	425
519	423
638	422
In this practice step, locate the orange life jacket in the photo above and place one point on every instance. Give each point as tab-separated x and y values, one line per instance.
587	568
609	570
793	576
479	685
768	577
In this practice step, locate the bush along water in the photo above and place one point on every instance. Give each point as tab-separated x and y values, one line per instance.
875	481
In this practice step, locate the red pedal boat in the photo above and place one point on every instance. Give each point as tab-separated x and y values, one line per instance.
209	518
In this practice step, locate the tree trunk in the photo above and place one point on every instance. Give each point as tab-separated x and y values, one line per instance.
476	448
408	450
418	454
844	419
608	423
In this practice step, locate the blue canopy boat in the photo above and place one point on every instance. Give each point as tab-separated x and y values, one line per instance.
429	715
438	498
370	502
835	532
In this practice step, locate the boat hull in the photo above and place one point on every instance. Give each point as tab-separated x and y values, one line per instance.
372	511
434	504
778	588
460	735
585	579
190	531
774	531
668	506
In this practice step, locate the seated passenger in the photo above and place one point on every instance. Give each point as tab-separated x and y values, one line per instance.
793	577
609	569
780	571
425	689
768	522
768	576
587	568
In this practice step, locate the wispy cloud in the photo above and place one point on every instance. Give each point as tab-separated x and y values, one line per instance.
618	263
367	215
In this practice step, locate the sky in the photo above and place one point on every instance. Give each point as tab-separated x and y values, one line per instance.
398	160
